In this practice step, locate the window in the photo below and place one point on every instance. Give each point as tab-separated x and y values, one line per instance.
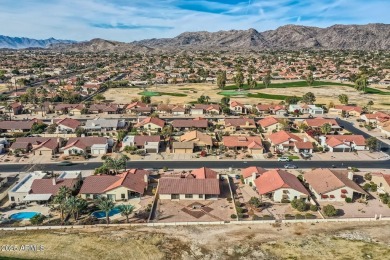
123	196
87	196
188	196
12	199
200	196
174	196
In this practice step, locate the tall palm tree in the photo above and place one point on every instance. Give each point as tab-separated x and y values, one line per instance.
326	128
105	204
126	210
75	205
60	201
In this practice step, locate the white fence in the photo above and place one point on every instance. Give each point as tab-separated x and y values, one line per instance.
251	222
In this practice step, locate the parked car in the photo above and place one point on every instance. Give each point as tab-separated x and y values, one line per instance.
65	163
283	159
306	155
290	166
238	177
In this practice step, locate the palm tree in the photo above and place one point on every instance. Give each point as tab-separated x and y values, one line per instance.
326	128
105	204
369	104
60	200
126	210
75	205
207	98
116	164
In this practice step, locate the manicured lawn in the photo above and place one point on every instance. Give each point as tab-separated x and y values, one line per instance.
268	96
154	94
295	84
376	91
232	93
293	157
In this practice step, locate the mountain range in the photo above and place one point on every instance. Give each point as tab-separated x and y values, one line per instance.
288	37
22	42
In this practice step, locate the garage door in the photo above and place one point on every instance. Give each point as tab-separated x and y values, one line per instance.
340	150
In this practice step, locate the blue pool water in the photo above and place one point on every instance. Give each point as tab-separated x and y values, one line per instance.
23	215
102	214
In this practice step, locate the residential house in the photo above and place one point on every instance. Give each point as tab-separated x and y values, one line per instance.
280	185
382	180
42	190
106	109
237	108
317	123
17	108
271	109
37	145
127	185
201	184
150	143
339	110
252	144
138	108
104	125
66	125
270	124
250	174
3	181
183	147
213	109
332	185
385	128
178	110
72	109
235	124
306	109
86	145
343	143
200	140
16	126
21	189
375	118
152	124
284	141
187	124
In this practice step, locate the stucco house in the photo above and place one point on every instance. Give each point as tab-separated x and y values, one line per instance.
152	124
343	143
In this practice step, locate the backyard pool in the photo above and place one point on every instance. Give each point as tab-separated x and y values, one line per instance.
23	215
102	214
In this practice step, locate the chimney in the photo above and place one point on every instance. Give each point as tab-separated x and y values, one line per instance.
350	175
54	181
217	176
253	176
146	178
304	139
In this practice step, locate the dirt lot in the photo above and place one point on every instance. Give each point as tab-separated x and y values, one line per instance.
289	241
324	94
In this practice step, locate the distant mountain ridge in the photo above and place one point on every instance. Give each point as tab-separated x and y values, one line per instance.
289	37
23	42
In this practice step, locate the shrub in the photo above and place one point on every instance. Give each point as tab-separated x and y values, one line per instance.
239	210
330	210
233	216
313	208
37	219
285	201
255	217
240	215
299	216
229	199
299	205
255	202
238	204
348	200
308	215
368	176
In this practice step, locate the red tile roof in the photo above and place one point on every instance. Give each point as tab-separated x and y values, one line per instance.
283	136
153	120
240	122
68	122
241	141
247	172
188	186
334	140
45	186
16	125
84	142
140	140
133	179
204	173
188	123
268	121
278	179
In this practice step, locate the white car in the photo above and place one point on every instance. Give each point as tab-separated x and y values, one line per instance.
283	159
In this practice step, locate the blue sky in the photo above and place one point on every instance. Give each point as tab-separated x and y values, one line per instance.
129	20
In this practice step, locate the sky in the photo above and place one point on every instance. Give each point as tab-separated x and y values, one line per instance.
130	20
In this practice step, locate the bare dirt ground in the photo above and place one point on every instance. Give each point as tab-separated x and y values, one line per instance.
357	240
324	95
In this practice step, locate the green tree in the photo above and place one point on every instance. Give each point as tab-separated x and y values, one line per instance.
252	84
326	128
221	79
59	201
99	98
116	164
126	211
255	202
292	100
225	101
361	83
370	104
310	79
299	205
308	98
75	205
267	79
343	99
51	129
372	143
329	210
239	79
37	219
202	99
105	204
146	99
121	134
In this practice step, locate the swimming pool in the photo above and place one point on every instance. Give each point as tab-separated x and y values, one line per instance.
102	214
23	215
